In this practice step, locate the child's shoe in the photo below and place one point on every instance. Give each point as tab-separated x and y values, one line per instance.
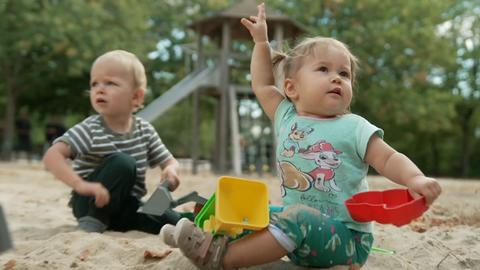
91	224
166	235
202	248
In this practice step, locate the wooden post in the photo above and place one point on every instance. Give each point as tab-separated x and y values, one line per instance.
224	102
236	153
278	36
199	64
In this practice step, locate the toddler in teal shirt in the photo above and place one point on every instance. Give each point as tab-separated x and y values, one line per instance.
323	155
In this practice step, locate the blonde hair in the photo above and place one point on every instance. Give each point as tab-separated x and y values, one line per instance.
131	62
286	64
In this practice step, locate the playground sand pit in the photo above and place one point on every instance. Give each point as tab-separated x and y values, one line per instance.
44	235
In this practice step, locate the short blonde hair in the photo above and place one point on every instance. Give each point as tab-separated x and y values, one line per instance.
131	62
286	64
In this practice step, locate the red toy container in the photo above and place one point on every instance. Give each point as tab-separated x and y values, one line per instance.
392	206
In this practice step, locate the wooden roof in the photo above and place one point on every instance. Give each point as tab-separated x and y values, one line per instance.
212	25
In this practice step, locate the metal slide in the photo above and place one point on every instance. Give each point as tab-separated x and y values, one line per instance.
204	77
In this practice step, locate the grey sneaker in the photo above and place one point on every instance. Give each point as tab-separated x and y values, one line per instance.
91	224
167	235
202	248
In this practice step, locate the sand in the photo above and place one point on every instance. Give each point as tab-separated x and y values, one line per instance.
44	235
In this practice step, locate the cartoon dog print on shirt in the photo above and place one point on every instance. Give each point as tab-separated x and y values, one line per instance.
326	161
292	178
292	144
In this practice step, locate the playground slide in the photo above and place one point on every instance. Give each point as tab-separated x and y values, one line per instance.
204	77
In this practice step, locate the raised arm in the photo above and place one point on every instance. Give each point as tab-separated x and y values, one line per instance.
400	169
263	82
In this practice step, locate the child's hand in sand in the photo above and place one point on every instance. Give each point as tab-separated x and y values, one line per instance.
102	196
425	186
257	25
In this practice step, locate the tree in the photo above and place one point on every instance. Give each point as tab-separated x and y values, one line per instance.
464	33
46	45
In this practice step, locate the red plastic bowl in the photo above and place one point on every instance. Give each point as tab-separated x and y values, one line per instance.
392	206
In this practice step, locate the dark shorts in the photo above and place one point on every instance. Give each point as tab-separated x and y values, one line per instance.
320	240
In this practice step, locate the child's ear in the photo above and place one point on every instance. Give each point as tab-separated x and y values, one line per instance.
138	97
290	90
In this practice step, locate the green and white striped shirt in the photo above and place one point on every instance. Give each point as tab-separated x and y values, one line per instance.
91	141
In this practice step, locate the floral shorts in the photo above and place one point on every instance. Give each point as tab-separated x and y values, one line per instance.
320	240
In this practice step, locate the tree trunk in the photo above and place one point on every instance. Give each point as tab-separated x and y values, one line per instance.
435	156
9	123
465	147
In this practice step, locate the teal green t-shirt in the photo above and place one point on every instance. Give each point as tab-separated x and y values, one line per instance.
321	161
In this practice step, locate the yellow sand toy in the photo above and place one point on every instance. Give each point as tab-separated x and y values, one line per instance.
238	204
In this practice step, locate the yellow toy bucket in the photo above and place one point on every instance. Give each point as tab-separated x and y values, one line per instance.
240	204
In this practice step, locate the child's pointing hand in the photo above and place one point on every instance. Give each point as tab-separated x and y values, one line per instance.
257	25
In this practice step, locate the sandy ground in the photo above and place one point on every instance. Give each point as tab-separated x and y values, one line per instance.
43	228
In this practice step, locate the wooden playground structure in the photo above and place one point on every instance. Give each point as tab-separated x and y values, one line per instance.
214	79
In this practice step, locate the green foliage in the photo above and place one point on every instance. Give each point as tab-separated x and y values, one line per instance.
419	64
175	128
55	42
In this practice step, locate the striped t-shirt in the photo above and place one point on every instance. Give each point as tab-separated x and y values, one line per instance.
91	141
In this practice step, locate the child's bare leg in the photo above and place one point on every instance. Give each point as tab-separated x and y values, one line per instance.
254	249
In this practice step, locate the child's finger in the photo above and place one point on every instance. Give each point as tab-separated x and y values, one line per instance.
261	11
254	18
429	200
99	202
248	24
414	194
102	198
432	192
437	189
430	197
174	183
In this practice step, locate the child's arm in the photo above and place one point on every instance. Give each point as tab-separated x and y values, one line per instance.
400	169
55	161
263	82
170	173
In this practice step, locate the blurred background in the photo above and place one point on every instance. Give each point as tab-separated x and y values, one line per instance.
419	75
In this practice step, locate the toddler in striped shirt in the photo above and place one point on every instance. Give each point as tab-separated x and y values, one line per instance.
111	151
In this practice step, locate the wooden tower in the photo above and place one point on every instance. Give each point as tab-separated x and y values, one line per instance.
225	27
